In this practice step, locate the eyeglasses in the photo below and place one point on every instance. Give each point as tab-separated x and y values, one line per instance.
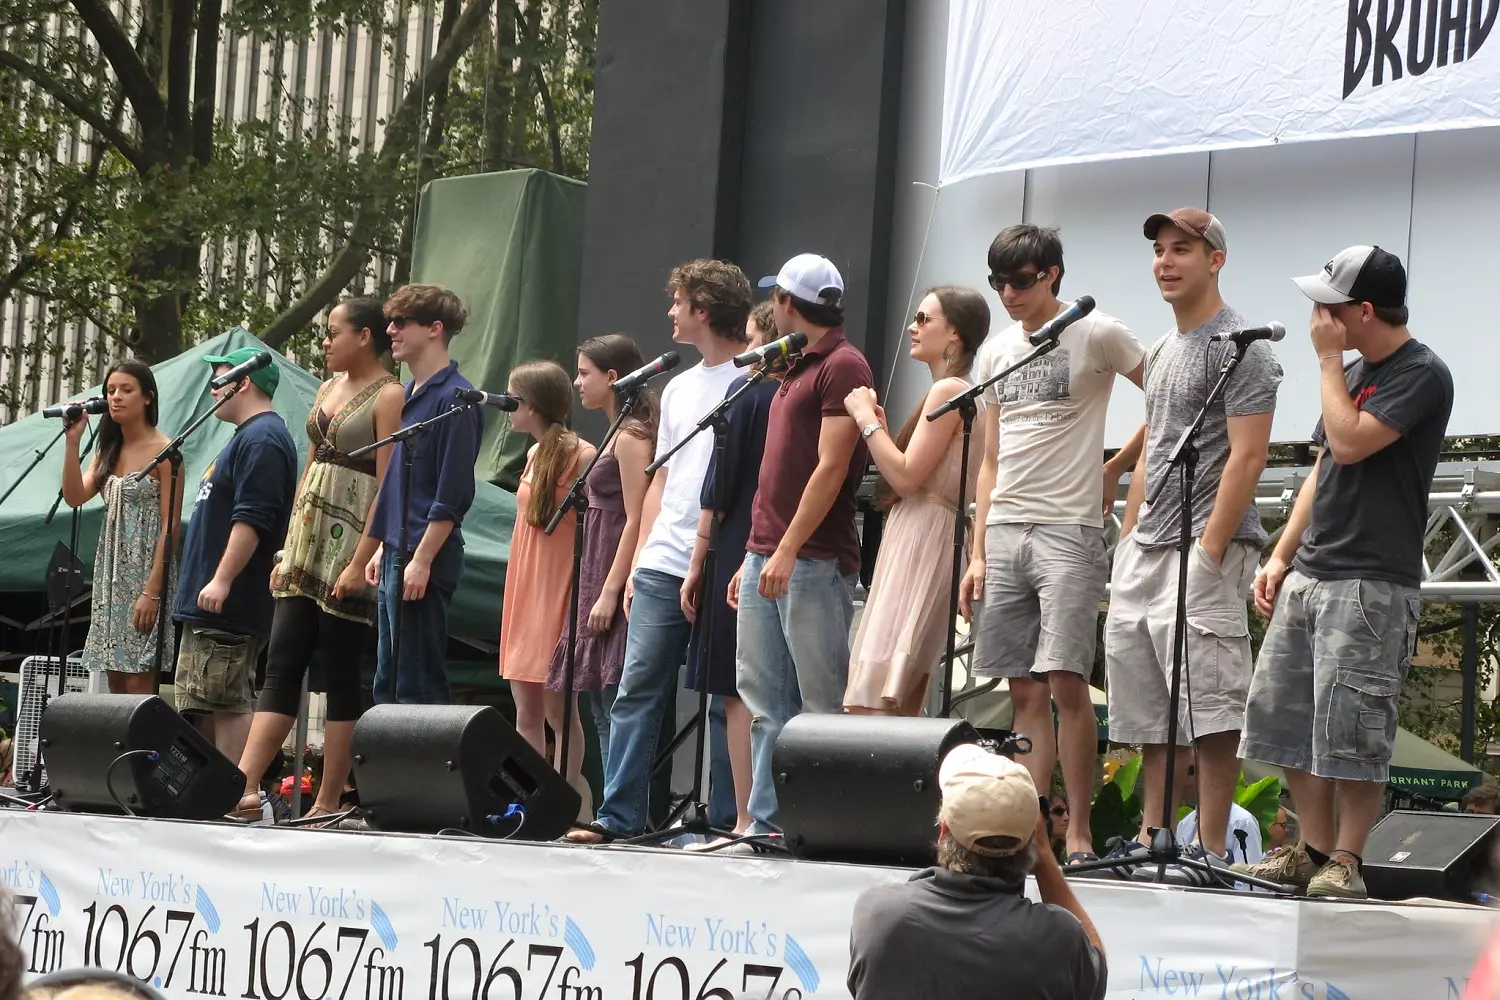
401	321
1020	281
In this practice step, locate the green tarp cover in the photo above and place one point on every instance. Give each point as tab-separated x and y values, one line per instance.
510	244
27	542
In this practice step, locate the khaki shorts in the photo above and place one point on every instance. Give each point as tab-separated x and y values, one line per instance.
215	670
1138	635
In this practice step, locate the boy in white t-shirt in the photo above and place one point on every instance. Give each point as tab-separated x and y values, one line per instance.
710	302
1039	563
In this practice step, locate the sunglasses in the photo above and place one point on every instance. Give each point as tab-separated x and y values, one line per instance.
1059	810
401	321
922	319
1020	281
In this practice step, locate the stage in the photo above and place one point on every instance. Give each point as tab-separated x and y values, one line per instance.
266	913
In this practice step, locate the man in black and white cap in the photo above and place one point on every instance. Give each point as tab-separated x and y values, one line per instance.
961	928
1342	584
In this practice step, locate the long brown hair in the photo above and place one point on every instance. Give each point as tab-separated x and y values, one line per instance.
969	315
111	437
615	352
547	389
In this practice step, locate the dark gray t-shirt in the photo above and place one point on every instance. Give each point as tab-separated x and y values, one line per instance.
1181	368
1368	518
944	935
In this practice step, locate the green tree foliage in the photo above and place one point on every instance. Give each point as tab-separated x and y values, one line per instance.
132	201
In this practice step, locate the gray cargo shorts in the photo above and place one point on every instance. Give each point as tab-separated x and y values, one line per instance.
1139	633
1043	585
1326	685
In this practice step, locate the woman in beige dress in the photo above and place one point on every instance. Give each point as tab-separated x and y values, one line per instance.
902	632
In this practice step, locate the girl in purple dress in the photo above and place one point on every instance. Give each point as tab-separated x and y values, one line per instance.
616	491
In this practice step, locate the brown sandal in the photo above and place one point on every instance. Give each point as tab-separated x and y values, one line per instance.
248	813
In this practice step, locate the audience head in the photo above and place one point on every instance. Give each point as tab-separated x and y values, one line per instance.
808	291
1278	832
356	331
90	984
420	317
546	402
708	297
989	815
1482	799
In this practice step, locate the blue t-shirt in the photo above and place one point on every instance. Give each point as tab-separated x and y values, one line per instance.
251	481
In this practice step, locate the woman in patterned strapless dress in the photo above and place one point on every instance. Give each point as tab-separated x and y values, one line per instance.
616	492
129	570
322	601
902	633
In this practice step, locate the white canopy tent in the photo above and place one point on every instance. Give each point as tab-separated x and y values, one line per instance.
1030	85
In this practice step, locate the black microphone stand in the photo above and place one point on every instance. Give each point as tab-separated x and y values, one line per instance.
171	453
965	405
407	434
59	627
693	811
1164	849
577	500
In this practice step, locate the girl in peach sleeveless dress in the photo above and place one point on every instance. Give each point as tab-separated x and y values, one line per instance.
539	575
905	625
901	634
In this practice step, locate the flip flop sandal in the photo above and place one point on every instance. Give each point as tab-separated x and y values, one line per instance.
590	833
1081	858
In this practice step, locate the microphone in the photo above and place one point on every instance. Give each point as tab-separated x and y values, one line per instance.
1272	331
242	370
647	372
499	400
785	347
1055	326
94	406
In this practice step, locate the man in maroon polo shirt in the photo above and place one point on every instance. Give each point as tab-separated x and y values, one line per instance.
794	591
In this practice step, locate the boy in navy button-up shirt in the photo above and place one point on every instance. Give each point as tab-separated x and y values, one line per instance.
423	318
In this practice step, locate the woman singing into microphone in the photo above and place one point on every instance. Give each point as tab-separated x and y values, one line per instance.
129	564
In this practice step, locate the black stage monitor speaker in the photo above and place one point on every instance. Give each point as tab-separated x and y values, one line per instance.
1442	855
103	751
425	768
862	787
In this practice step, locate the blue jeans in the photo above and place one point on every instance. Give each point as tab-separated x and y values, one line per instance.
421	674
722	810
656	642
793	656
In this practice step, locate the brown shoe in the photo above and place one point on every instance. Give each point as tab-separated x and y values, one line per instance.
1288	866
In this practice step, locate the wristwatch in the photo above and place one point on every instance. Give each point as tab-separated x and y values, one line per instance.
869	429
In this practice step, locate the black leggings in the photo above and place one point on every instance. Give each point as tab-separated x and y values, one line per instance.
298	629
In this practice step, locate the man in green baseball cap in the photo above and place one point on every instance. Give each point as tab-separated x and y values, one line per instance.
238	521
266	379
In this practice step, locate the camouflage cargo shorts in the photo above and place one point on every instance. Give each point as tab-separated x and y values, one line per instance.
1323	698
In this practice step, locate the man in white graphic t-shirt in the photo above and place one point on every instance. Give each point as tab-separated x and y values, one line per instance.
710	302
1039	564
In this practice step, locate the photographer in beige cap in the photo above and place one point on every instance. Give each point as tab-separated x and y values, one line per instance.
961	928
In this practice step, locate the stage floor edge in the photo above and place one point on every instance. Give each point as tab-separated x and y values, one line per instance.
264	913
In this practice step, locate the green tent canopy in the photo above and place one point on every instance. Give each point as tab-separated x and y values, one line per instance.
510	244
182	383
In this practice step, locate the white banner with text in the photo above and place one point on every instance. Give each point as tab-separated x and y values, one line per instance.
1034	84
211	910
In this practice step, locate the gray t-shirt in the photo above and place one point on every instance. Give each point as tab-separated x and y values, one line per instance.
1181	368
1368	517
944	934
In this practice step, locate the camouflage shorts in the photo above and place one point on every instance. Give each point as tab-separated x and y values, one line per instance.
1323	698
